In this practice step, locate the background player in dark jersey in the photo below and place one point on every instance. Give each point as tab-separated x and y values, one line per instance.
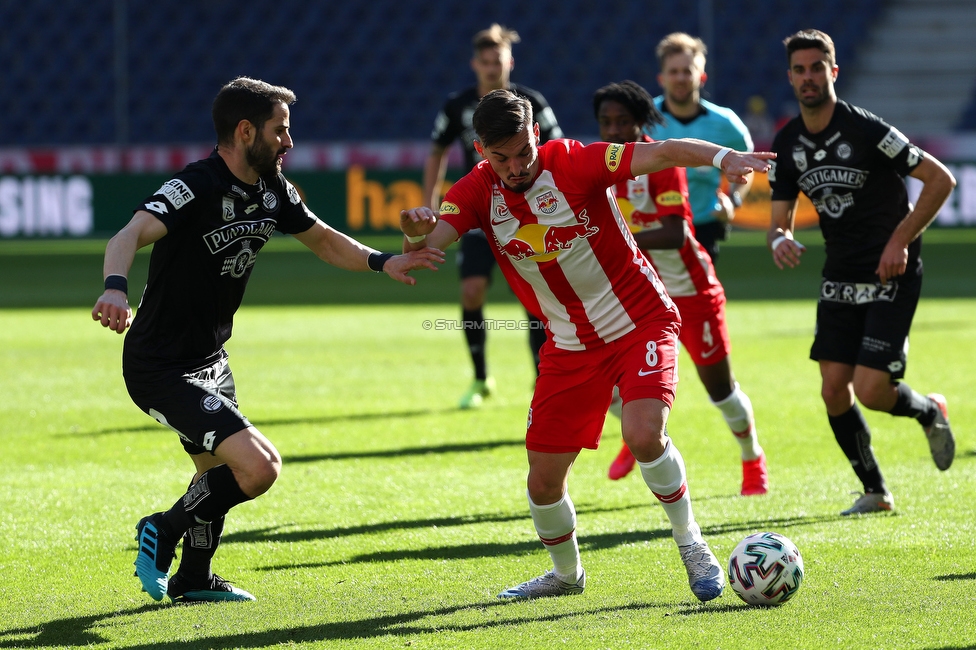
852	164
492	64
656	208
208	224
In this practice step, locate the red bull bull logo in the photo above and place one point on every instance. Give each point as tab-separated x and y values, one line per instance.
542	243
546	203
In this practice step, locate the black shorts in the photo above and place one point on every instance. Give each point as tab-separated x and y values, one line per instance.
200	406
475	259
709	234
866	324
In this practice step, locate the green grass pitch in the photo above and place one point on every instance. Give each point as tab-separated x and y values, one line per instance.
397	518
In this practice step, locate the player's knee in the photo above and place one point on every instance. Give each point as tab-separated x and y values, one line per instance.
544	491
874	397
260	478
257	476
472	298
836	397
646	443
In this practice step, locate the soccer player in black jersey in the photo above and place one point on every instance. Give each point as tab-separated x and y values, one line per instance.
851	164
207	225
492	63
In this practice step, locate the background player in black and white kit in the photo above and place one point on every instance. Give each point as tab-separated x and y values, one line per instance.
207	225
851	165
492	63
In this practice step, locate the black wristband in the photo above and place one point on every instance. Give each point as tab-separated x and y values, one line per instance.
118	282
375	261
736	199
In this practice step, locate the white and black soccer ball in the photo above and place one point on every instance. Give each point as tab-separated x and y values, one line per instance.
765	569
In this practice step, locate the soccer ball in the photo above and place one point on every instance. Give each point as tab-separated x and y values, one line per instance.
765	569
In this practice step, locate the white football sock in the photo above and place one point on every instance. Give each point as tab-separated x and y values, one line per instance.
666	478
556	525
737	411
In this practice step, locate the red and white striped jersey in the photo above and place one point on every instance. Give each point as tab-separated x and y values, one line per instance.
563	245
686	271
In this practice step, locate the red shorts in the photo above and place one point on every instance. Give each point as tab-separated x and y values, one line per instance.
573	391
703	330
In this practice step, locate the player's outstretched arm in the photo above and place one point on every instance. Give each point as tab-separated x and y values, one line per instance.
786	251
112	307
344	252
421	227
650	157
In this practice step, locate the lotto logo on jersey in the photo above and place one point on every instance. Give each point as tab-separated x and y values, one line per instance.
177	192
670	198
449	208
615	153
893	142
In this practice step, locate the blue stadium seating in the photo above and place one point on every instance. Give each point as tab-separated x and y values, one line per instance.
367	71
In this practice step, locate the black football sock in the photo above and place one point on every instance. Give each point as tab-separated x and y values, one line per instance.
914	405
537	337
854	437
207	500
476	335
199	545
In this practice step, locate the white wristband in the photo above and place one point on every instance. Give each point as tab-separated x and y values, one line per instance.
415	240
720	156
776	242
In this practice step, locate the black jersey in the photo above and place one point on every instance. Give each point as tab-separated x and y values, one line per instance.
853	171
454	120
216	225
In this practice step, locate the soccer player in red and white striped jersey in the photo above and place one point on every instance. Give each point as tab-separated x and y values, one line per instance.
656	208
558	236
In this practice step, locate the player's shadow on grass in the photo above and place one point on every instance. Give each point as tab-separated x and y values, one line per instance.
424	623
280	534
75	631
424	450
956	576
587	543
276	422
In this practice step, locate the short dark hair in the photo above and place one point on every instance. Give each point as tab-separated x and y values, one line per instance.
248	99
500	115
634	97
809	39
495	36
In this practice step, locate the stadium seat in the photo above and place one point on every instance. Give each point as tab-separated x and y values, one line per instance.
354	64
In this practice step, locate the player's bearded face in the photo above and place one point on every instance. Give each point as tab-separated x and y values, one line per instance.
516	161
263	157
812	76
811	94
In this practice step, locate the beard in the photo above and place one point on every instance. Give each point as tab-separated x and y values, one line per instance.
262	158
816	100
521	187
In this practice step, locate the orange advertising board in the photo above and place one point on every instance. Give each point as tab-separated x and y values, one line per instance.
754	213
